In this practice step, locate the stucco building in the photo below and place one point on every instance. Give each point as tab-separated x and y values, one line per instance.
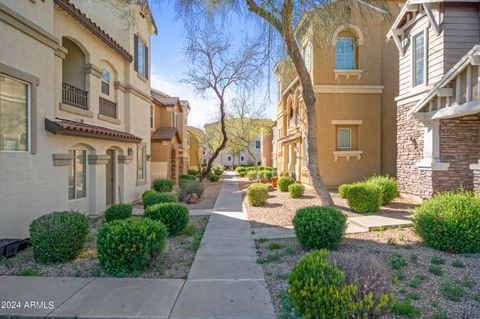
439	96
195	147
168	122
74	108
355	81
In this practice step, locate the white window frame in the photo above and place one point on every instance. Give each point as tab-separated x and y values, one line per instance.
175	119
140	71
74	163
104	71
414	35
349	135
29	116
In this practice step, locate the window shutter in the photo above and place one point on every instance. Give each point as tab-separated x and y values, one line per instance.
146	62
135	52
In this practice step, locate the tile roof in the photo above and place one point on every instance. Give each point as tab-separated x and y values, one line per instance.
88	23
60	126
164	99
165	134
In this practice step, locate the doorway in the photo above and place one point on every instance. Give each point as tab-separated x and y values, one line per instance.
110	178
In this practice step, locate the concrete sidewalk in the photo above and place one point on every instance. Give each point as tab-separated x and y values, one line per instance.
224	282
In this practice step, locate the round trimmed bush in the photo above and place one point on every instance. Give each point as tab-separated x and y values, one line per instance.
319	227
159	198
388	186
214	178
251	168
148	193
118	211
296	190
450	222
364	197
284	182
163	185
174	216
257	194
343	190
217	170
128	245
58	236
268	175
240	169
261	174
252	175
243	174
262	168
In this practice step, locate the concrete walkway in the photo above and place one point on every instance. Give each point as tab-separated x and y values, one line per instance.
224	282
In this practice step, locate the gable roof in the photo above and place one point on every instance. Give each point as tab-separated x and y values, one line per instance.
164	99
165	134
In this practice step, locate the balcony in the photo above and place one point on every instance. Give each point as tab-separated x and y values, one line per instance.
107	108
74	96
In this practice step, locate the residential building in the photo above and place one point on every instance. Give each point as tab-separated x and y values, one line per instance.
168	123
438	102
74	108
354	75
195	147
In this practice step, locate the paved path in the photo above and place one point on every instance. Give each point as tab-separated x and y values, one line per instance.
224	282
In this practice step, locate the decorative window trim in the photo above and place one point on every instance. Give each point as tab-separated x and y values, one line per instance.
347	122
347	155
338	138
360	37
413	35
357	73
143	178
74	162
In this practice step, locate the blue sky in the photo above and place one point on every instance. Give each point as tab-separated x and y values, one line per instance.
169	66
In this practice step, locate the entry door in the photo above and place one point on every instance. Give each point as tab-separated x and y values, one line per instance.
110	177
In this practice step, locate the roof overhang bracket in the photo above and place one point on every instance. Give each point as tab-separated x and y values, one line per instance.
428	11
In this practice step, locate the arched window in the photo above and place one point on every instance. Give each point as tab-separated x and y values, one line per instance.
346	39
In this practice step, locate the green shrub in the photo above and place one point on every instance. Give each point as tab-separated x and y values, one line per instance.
450	222
128	245
217	170
343	190
240	169
268	175
257	194
364	197
159	198
163	185
261	174
58	236
397	261
388	186
192	172
174	216
319	227
243	174
251	168
118	211
194	187
268	168
214	178
252	175
262	168
318	289
284	182
405	309
148	193
296	190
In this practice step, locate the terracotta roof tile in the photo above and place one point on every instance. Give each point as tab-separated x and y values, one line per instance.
165	134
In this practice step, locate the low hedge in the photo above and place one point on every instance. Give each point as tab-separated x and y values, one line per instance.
450	222
296	190
174	216
58	236
243	174
284	182
128	245
388	186
159	198
319	227
163	185
192	172
252	175
118	211
364	197
148	193
240	169
257	194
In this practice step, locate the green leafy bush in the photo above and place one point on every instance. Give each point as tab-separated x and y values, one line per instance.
388	186
128	245
262	168
450	222
268	168
318	289
261	174
174	216
58	236
284	182
148	192
194	187
192	172
319	227
243	174
405	309
217	170
257	194
159	198
251	168
240	169
252	175
118	211
214	178
163	185
364	197
343	190
296	190
268	175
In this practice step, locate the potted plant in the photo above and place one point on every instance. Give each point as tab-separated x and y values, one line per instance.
275	181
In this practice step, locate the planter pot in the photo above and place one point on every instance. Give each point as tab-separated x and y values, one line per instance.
274	181
264	181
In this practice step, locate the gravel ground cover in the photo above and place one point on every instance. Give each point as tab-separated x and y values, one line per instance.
281	208
212	189
439	285
173	263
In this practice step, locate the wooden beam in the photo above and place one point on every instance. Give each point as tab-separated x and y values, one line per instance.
431	17
468	87
444	92
458	86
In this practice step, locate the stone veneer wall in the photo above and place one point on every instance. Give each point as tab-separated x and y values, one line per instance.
409	151
476	182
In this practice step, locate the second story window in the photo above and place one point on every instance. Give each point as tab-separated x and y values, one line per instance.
151	117
257	144
106	82
418	59
344	138
345	54
307	58
141	57
175	119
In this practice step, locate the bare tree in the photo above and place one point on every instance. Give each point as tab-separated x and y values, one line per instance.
216	68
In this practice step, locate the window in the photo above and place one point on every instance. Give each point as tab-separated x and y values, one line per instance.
14	115
151	116
141	57
257	144
344	138
106	82
229	158
345	54
242	158
175	119
290	117
141	162
77	175
307	56
419	59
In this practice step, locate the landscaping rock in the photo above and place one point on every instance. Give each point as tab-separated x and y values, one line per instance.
193	199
